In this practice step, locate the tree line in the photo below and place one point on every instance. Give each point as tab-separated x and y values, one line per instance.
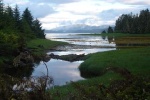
17	28
132	23
11	21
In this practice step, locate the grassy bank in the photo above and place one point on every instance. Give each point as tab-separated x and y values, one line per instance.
61	92
135	60
41	45
38	47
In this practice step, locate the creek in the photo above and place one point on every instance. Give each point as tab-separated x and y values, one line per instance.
64	71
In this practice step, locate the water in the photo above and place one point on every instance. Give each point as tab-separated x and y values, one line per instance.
63	71
77	39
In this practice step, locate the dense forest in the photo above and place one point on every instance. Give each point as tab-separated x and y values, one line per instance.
17	28
134	24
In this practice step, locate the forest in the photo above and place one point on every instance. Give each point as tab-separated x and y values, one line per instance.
17	28
134	23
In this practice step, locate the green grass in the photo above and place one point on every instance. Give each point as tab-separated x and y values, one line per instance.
63	91
135	60
35	43
46	45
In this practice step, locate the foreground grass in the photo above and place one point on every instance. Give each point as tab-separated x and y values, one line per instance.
41	45
65	90
135	60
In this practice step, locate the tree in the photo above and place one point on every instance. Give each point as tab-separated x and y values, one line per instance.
26	30
37	29
27	22
110	30
17	18
144	18
135	24
1	14
104	31
9	24
27	16
1	6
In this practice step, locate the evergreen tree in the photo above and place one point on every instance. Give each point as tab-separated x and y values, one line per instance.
1	6
129	23
27	22
144	21
37	28
104	31
17	19
1	14
110	30
9	20
26	30
27	16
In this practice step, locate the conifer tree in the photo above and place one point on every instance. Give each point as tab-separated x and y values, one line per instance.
104	31
27	16
1	15
110	30
17	18
37	28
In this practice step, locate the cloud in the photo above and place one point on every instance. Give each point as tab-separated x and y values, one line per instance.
14	2
55	13
41	10
55	1
130	2
111	14
137	2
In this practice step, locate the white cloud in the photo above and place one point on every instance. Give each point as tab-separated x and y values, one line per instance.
14	2
55	13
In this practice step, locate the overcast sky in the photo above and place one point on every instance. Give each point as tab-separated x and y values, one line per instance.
55	13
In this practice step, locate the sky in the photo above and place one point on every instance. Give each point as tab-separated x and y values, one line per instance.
56	13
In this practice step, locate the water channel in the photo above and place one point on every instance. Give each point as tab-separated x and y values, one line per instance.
64	71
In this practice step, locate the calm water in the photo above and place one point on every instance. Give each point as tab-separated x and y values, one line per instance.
63	71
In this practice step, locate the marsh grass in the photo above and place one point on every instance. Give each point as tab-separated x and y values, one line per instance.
110	86
132	41
70	90
135	60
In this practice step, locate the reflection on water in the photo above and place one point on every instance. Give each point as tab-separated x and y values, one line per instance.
63	71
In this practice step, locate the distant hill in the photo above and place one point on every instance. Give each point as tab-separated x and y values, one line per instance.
79	28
